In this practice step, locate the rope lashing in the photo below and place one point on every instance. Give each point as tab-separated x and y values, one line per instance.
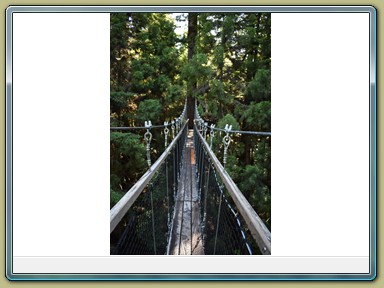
180	122
166	132
148	138
226	141
202	126
205	128
177	122
211	135
173	129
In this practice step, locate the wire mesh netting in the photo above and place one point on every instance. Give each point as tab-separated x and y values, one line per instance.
225	231
145	228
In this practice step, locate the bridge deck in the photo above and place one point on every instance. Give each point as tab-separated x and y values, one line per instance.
186	237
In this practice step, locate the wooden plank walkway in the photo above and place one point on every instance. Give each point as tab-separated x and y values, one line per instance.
186	235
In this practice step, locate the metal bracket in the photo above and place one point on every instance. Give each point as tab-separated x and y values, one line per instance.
211	135
173	129
205	128
166	132
148	138
226	141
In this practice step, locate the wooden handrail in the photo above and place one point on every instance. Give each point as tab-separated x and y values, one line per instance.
120	209
258	230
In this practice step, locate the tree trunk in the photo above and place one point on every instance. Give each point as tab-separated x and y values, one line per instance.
247	149
192	31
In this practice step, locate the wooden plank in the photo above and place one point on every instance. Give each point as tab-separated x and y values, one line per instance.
197	235
176	228
186	234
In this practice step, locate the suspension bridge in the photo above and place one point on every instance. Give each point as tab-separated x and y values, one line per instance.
186	203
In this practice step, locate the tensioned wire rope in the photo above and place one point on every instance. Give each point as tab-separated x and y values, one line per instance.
202	126
140	230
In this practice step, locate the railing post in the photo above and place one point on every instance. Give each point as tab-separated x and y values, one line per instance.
211	135
226	141
177	122
118	211
148	138
205	130
166	132
173	129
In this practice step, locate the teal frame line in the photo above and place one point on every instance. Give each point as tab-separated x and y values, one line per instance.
192	277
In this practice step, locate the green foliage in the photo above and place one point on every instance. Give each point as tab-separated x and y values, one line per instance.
259	88
121	108
218	56
197	69
127	161
230	120
118	34
241	90
173	100
258	116
235	147
115	197
119	101
254	187
229	72
149	109
129	146
145	44
253	177
145	67
175	93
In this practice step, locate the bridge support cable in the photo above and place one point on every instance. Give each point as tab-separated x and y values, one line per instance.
166	132
240	229
140	221
153	220
222	232
226	141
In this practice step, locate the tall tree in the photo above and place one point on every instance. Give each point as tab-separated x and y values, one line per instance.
145	85
237	49
224	64
192	33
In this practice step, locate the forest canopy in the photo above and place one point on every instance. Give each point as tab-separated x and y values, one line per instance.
222	61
